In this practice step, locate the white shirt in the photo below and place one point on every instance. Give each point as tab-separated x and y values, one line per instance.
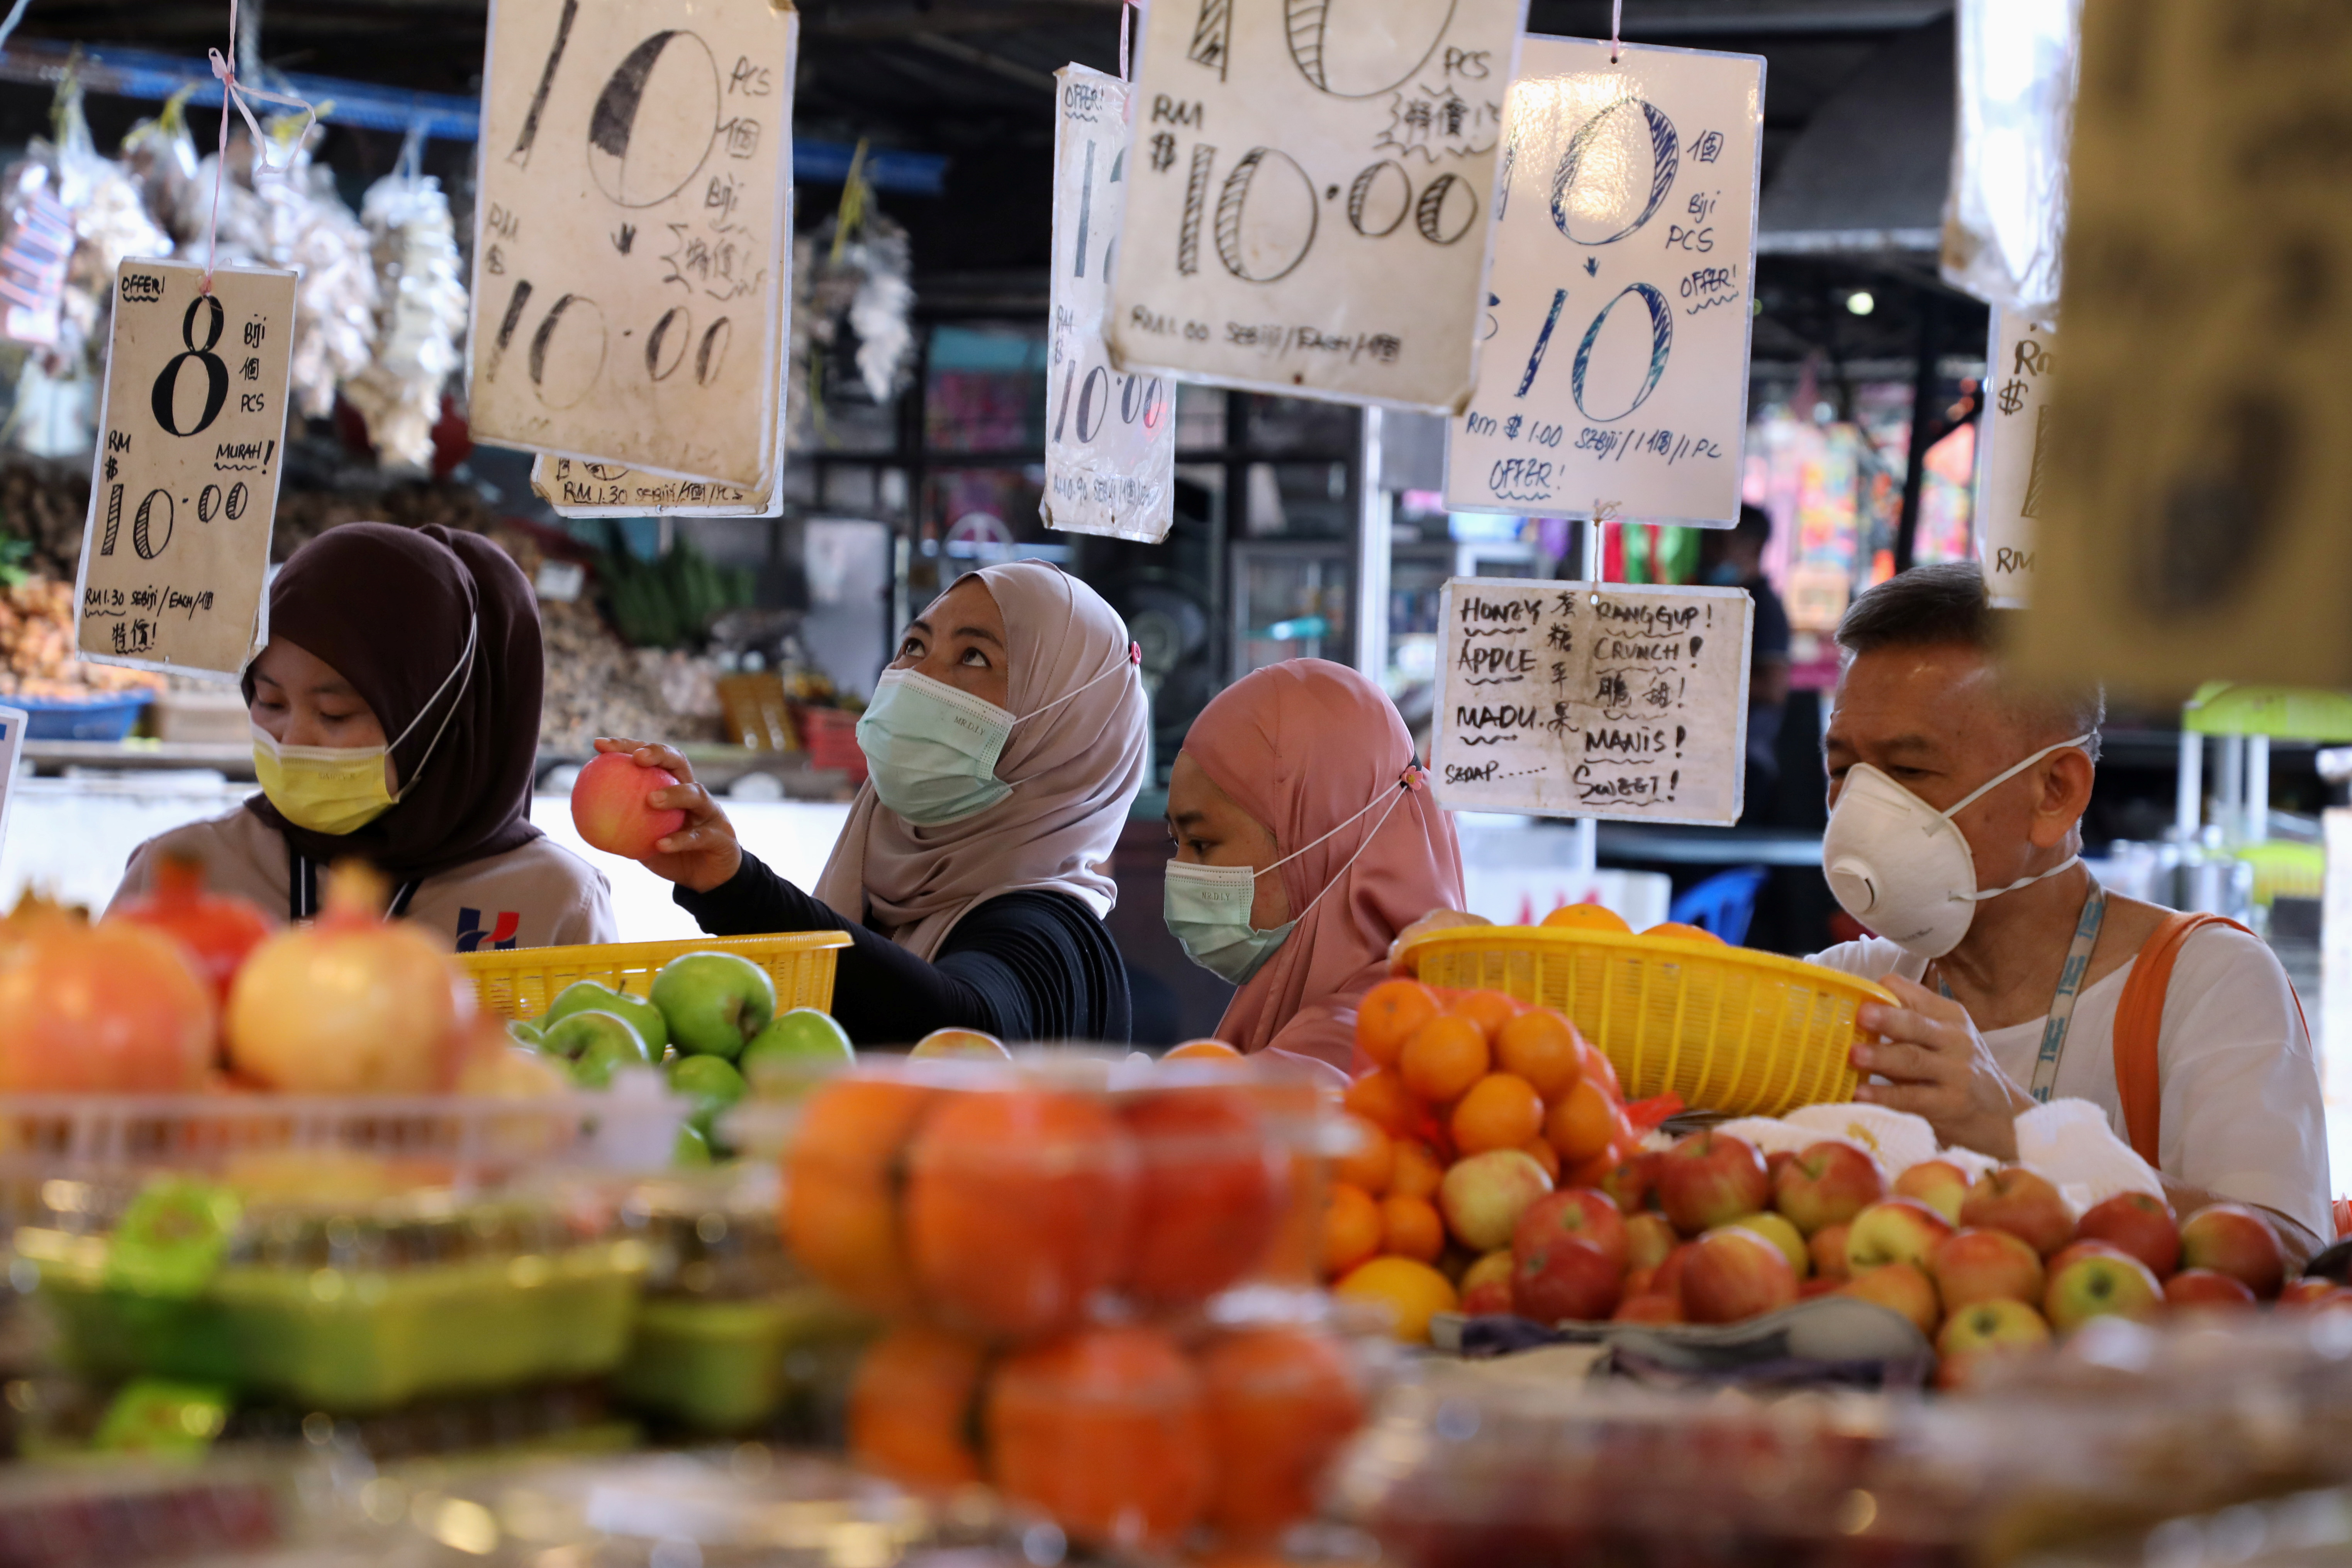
2241	1115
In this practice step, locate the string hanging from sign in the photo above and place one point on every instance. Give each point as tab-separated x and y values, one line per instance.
1616	26
1126	28
236	92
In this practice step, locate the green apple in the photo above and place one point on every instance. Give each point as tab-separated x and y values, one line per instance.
692	1147
598	1043
525	1033
596	996
714	1002
710	1080
797	1045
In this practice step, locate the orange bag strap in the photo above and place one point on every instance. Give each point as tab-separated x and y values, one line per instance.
2140	1018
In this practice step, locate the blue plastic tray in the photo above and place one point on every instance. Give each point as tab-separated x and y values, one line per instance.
97	719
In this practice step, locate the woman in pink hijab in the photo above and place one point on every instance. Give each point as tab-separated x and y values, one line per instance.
1305	841
1005	745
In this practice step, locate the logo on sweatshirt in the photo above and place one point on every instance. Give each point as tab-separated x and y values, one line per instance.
472	938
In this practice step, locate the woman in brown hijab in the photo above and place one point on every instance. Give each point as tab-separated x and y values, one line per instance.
395	719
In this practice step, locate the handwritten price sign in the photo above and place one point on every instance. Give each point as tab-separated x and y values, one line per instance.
630	256
1307	206
175	556
1592	699
1613	377
576	487
2013	464
1111	437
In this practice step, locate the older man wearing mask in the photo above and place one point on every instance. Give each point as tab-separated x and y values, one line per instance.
1957	798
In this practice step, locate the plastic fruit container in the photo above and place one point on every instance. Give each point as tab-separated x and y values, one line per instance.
1016	1202
520	983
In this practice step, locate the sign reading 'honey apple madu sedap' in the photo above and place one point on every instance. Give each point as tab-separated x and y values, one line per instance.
630	257
1308	202
175	556
1613	379
1592	699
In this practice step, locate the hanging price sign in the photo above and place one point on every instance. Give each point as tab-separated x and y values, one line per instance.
577	488
2013	453
1307	198
1111	436
175	556
1613	376
631	259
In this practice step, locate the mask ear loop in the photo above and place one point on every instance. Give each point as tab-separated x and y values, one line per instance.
464	669
1981	894
1134	657
1414	778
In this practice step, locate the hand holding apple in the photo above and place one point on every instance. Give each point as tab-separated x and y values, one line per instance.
701	852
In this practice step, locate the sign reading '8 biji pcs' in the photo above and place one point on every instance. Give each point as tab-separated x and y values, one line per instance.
1308	195
175	556
1613	380
1592	699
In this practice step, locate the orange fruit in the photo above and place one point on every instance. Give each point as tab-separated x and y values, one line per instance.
1540	1150
1412	1227
1387	1016
1501	1111
1416	1171
1542	1048
1600	1069
1679	932
1021	1204
1582	1124
1106	1431
1203	1050
841	1190
1210	1198
1381	1098
1444	1059
1351	1228
1370	1162
1490	1010
1587	917
1280	1404
910	1408
1412	1292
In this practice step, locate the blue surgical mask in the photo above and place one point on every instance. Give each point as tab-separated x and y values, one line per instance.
931	750
1208	907
1723	575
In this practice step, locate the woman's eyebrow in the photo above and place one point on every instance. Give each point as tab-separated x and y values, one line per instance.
981	632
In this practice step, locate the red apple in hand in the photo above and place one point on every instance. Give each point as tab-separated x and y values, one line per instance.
2232	1239
2137	1223
1973	1266
1829	1184
1900	1230
1578	1214
1565	1280
608	806
2023	1204
1709	1179
1734	1274
2098	1285
2203	1289
1940	1185
1902	1287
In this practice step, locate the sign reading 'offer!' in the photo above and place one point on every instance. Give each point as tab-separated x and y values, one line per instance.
1591	700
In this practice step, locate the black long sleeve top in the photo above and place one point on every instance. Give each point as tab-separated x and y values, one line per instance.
1025	966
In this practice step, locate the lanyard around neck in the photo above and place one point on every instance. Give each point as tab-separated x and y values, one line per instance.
302	888
2070	986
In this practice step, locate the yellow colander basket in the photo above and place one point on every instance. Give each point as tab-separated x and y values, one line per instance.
1749	1033
520	983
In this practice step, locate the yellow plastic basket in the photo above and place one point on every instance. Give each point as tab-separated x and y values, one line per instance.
1750	1033
520	983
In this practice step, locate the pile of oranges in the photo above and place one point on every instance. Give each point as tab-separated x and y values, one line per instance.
1450	1077
1047	1252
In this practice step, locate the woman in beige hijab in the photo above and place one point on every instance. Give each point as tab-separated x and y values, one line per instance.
1005	745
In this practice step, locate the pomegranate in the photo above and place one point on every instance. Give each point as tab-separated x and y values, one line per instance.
351	1004
218	929
111	1008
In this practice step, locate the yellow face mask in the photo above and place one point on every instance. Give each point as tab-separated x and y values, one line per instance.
341	789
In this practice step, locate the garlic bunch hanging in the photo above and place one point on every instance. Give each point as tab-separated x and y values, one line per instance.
420	317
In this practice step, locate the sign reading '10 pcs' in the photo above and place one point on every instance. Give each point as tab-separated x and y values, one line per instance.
1612	376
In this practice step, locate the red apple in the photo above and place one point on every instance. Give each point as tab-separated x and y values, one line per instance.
2066	1254
1652	1308
2203	1287
1486	1286
1482	1197
2303	1294
1973	1266
2002	1323
1710	1179
1648	1238
2022	1203
1641	1282
1734	1274
1940	1185
1578	1214
608	805
1633	1186
1779	1160
1565	1280
2100	1285
1902	1287
1818	1286
2232	1239
1900	1230
1668	1279
2137	1223
1829	1184
1827	1247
